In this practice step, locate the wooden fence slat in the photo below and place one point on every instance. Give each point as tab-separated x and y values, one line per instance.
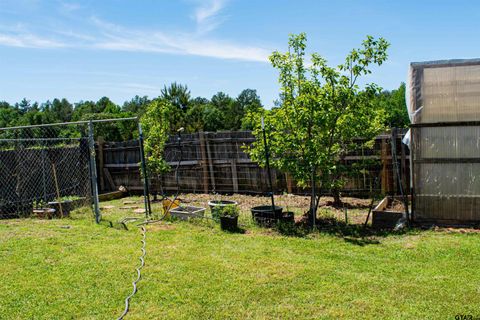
204	162
218	162
210	164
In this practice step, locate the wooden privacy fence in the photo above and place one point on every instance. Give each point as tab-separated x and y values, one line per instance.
217	162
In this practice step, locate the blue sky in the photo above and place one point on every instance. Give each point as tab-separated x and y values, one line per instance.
83	50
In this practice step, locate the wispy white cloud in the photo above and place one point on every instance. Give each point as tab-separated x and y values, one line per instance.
117	37
208	10
206	15
23	40
69	6
110	36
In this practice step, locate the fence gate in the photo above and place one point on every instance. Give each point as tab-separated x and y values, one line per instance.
54	165
40	165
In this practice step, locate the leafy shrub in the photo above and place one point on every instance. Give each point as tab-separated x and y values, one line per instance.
230	210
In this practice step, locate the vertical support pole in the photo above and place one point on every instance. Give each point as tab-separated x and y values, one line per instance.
146	191
234	175
313	210
210	164
412	174
384	176
403	167
44	178
267	158
101	162
203	153
393	148
93	172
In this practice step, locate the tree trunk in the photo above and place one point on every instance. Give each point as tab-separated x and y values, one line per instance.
313	200
337	201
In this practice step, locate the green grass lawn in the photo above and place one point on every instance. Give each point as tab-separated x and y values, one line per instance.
72	268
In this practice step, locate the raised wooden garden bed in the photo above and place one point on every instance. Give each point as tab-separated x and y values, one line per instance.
388	212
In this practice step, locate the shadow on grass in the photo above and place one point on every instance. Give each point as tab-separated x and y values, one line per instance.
356	234
119	225
238	230
347	205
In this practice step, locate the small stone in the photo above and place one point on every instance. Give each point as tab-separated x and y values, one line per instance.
409	246
128	207
139	210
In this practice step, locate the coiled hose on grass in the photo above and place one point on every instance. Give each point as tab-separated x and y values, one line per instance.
139	275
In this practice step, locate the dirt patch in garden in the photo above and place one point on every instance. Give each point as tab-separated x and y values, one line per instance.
395	206
456	230
356	208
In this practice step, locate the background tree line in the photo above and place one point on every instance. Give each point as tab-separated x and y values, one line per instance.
220	112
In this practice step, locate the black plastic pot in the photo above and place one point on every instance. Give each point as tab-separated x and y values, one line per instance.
67	206
228	223
288	217
264	215
216	206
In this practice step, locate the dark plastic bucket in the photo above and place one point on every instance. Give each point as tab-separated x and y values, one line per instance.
66	207
288	217
229	223
264	215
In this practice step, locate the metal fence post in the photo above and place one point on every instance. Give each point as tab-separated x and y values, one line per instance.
93	172
146	192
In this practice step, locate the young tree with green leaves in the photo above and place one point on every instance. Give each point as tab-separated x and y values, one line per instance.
321	110
156	126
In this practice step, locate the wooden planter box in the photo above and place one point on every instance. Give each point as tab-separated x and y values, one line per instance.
384	217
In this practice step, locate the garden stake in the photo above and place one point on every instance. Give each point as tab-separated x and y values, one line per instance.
146	191
369	211
57	189
372	195
268	166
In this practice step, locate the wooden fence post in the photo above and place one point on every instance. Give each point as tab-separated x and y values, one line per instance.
393	150
210	163
384	160
234	175
205	161
289	182
403	168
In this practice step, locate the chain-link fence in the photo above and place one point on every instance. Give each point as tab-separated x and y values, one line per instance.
48	170
44	170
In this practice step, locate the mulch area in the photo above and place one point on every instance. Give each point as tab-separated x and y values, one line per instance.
357	208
